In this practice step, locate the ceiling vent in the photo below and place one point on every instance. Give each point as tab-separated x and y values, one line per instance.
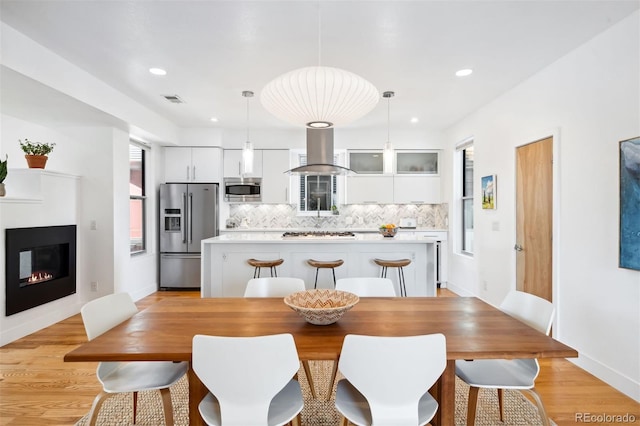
173	99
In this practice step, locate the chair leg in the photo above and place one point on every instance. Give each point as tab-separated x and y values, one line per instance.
471	406
333	271
307	371
256	272
315	284
135	406
541	410
167	406
95	407
404	285
501	403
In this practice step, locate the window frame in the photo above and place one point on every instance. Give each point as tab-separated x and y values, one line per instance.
466	199
143	200
303	186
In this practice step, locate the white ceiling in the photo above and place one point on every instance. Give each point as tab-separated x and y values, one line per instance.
213	50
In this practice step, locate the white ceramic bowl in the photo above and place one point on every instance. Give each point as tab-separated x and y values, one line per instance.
323	306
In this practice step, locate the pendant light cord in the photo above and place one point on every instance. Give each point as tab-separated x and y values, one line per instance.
319	35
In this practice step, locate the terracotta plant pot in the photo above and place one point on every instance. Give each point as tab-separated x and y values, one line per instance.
2	190
36	161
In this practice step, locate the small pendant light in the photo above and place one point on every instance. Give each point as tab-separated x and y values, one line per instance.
247	150
388	148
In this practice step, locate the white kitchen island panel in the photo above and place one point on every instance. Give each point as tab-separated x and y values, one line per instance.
225	270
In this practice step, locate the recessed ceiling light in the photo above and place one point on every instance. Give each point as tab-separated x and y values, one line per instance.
414	119
214	119
465	72
157	71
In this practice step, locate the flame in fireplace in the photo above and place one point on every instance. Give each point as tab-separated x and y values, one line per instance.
38	277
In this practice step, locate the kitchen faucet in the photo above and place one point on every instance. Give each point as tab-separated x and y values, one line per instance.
318	208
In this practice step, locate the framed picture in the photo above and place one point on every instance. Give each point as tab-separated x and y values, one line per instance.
630	204
489	192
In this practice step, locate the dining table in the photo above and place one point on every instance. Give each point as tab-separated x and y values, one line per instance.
473	329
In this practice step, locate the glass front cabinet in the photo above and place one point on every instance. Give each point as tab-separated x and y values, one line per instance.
417	163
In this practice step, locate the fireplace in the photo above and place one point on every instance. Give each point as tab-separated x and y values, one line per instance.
40	266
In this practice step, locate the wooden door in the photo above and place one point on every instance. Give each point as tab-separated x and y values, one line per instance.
534	218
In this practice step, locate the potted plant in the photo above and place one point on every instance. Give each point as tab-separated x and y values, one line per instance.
3	174
36	152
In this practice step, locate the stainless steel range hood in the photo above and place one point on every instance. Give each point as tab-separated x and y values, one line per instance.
320	155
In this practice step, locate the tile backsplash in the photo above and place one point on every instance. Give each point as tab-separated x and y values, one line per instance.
434	216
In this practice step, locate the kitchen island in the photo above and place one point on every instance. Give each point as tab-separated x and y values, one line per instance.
225	270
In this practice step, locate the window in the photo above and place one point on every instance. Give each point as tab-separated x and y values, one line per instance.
467	199
137	200
317	193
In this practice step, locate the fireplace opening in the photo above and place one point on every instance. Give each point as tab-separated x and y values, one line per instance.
40	266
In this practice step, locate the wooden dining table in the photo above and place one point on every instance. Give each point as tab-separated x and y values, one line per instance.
473	330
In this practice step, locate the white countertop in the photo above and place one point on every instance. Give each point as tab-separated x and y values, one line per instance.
252	237
364	230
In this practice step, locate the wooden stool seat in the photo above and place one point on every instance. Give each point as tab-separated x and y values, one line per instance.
325	264
394	263
271	264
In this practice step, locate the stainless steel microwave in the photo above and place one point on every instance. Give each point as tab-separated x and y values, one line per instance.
243	190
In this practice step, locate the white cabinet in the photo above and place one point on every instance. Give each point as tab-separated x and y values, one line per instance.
366	162
192	164
416	189
233	163
417	162
370	189
276	184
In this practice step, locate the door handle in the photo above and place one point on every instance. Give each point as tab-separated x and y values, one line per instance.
191	217
517	247
184	217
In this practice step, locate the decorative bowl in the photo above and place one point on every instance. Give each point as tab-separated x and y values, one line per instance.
323	306
388	232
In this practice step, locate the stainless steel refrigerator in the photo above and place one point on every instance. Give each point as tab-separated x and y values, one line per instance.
188	214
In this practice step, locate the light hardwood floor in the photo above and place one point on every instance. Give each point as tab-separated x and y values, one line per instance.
38	388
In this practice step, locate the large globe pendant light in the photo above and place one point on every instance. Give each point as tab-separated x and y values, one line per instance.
319	96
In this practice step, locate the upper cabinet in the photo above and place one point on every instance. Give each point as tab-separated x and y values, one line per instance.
233	163
366	162
415	178
276	184
193	164
417	162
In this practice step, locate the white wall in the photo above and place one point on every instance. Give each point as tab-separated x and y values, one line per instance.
590	100
100	157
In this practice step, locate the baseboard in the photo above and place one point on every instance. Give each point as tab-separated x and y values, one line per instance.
57	313
608	375
459	290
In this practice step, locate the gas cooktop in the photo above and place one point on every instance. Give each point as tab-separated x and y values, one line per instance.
319	234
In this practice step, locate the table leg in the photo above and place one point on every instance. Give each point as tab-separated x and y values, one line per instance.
197	391
444	391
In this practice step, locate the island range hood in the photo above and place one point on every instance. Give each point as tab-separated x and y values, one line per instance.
320	155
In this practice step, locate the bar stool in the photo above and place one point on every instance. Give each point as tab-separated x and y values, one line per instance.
271	264
399	263
325	264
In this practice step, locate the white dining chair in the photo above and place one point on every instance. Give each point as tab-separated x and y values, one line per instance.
104	313
519	374
280	287
273	287
250	379
367	286
387	379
